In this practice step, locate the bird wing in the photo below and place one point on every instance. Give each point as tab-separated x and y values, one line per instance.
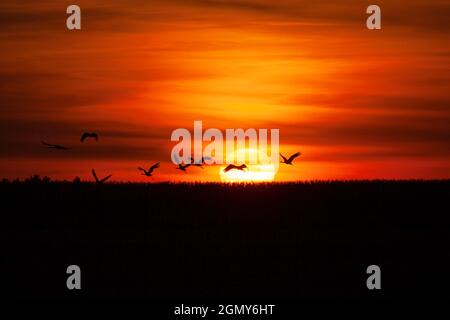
153	167
95	175
295	155
284	158
86	135
46	144
83	137
106	178
142	169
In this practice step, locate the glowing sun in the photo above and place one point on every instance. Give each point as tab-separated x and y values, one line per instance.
262	171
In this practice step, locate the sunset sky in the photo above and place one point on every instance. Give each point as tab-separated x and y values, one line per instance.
357	103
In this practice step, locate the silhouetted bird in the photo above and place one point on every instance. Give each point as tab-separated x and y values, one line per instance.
291	158
242	167
180	164
86	135
183	167
201	164
148	172
54	146
102	180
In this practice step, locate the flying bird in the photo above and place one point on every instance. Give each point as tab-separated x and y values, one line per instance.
242	167
183	167
102	180
148	172
291	158
54	146
201	163
86	135
180	164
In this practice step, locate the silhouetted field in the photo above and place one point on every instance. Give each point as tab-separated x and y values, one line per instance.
206	242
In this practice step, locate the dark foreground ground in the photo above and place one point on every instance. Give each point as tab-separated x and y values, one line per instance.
201	243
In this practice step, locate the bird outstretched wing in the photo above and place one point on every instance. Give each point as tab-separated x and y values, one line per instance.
84	136
142	169
295	155
153	167
55	146
105	178
95	175
284	158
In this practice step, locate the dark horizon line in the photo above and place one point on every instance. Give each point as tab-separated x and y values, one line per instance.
48	180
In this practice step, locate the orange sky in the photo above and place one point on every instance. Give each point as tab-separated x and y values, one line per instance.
356	103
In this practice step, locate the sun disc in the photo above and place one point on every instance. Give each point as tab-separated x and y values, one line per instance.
258	172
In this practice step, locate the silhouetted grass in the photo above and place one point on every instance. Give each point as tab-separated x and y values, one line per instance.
282	241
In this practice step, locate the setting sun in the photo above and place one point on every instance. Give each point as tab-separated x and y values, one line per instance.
259	168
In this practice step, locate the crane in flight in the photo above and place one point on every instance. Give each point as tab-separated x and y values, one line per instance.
201	164
54	146
86	135
180	165
242	167
183	167
97	180
149	172
291	158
